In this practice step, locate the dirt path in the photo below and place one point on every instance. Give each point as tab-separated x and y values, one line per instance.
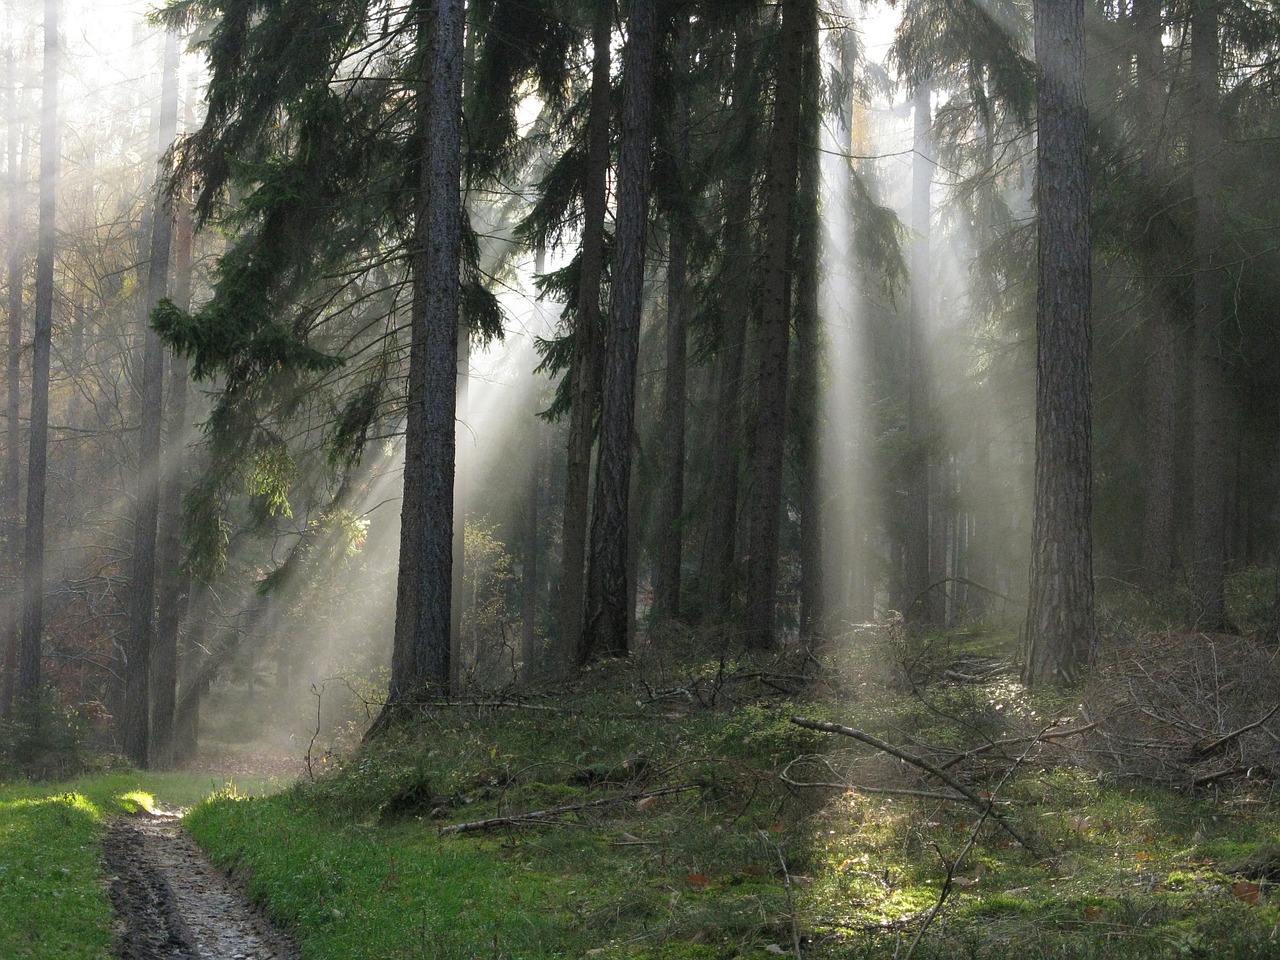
172	904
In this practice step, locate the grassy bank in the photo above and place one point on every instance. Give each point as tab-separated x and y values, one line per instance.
53	903
691	819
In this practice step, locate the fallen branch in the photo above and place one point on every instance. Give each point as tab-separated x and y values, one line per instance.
996	744
921	764
1215	745
843	784
533	817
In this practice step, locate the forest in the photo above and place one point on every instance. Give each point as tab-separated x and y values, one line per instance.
376	368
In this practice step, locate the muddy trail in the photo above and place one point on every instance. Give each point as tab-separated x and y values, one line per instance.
172	904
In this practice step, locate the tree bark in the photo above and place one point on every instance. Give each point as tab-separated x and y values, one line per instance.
136	721
606	629
718	562
587	348
670	536
421	654
1209	373
12	519
765	502
1060	615
37	458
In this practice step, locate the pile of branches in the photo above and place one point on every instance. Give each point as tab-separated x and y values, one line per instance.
1185	710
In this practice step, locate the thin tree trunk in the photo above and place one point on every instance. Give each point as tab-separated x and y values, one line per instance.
37	459
421	654
136	721
1211	429
765	503
919	607
461	483
1060	616
722	510
808	355
670	536
587	348
606	629
9	497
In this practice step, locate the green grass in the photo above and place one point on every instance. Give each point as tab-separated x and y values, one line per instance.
53	904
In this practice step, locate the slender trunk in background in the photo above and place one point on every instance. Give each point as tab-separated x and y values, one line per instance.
173	585
587	348
919	607
607	616
530	655
1060	616
808	356
1162	367
463	444
37	458
726	445
9	496
75	398
421	655
136	721
670	536
765	502
1209	373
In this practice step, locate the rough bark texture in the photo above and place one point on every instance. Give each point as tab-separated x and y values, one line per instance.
918	606
1208	373
670	536
37	459
421	654
765	504
1060	616
587	348
608	617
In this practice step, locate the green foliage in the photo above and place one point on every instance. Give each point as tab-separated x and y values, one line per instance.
44	740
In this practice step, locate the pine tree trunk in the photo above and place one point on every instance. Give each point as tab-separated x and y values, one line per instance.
136	721
173	585
808	352
919	607
718	561
765	502
587	348
1060	616
421	653
9	495
608	617
1160	386
37	459
670	535
1208	377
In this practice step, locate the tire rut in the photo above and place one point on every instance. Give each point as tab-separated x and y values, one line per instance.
172	904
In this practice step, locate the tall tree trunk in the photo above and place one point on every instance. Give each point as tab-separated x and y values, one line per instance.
808	354
608	617
173	586
1161	368
670	536
587	348
919	606
1060	616
37	458
9	496
136	721
461	483
421	654
722	508
1209	375
765	502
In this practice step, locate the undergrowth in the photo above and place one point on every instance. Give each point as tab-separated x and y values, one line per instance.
664	811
